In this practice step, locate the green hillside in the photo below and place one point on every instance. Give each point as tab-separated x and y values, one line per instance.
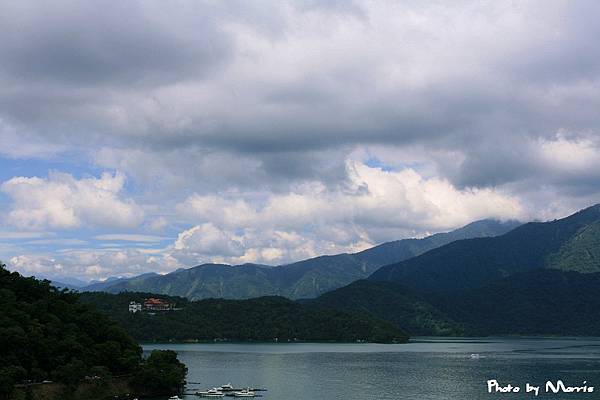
581	253
304	279
260	319
393	303
472	263
48	334
543	302
537	302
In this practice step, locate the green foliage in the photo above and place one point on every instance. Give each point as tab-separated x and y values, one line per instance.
46	333
392	303
541	302
161	372
538	302
259	319
581	253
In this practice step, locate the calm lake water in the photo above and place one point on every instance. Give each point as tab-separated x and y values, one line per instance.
426	368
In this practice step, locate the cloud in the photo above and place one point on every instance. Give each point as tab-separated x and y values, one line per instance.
378	205
403	198
59	242
64	202
271	132
115	44
36	265
128	237
206	239
88	264
19	143
18	235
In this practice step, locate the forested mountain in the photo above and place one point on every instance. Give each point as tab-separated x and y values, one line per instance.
537	302
48	334
392	252
393	303
540	278
303	279
568	244
543	301
259	319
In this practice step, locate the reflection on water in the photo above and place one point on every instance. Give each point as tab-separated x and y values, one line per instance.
426	368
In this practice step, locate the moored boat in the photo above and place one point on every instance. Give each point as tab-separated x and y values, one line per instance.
244	393
214	392
226	388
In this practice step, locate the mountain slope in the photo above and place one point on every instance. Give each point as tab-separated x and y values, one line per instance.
258	319
46	333
112	281
303	279
205	281
392	252
392	303
537	302
472	263
545	302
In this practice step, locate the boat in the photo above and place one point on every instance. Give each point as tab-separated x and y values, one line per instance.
175	398
214	392
244	393
475	356
226	388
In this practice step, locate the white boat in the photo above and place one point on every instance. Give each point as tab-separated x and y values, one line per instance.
244	393
214	392
475	356
175	398
227	388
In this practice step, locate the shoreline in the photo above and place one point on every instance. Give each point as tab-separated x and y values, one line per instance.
412	339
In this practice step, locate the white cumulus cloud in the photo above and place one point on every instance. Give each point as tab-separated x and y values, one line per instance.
64	202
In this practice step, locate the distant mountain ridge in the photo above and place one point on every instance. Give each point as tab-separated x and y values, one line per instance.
304	279
101	285
568	244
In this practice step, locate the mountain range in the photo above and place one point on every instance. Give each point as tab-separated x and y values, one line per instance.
540	278
486	278
304	279
568	244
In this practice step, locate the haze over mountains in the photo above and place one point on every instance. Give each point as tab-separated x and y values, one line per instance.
304	279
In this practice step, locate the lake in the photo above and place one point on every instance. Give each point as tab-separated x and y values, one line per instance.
425	368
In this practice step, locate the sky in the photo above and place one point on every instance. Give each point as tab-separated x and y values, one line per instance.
148	136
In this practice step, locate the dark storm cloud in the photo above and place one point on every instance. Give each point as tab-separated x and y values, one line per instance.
109	43
295	128
566	55
279	85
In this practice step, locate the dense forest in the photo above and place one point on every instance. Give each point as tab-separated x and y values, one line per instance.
538	302
47	334
393	303
547	302
260	319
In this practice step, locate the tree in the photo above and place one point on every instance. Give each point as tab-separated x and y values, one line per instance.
161	372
